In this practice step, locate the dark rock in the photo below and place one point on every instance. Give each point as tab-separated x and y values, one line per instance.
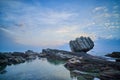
29	52
3	59
57	54
61	54
118	60
82	44
82	75
42	55
110	75
91	65
85	75
19	54
17	57
114	55
107	70
2	69
32	57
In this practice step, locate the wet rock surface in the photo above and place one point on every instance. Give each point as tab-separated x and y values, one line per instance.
106	70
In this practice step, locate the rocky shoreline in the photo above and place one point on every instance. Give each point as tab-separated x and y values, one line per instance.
9	58
77	61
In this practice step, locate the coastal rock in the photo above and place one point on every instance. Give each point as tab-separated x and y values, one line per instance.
92	65
16	54
110	75
16	60
2	69
82	44
65	55
8	58
29	52
107	70
114	55
57	54
118	60
3	59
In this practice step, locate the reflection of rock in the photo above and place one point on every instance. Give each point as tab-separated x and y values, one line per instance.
82	75
55	61
81	44
2	69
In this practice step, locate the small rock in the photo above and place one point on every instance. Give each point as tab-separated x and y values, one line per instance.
114	55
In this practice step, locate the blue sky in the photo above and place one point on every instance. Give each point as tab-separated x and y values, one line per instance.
37	24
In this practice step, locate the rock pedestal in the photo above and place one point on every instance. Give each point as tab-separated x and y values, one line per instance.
82	44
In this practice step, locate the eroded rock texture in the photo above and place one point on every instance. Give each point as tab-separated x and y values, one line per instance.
82	44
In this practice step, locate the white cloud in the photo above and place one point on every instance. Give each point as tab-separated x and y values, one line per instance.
100	8
39	26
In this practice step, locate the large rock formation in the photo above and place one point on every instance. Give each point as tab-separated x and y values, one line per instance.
65	55
82	44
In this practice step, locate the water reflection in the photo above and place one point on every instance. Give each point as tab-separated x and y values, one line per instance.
2	69
84	76
40	69
55	61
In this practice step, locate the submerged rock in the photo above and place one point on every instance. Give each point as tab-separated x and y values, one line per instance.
82	44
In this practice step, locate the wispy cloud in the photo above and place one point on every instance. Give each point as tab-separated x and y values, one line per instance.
100	8
33	24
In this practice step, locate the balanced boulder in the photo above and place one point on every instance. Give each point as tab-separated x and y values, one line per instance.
82	44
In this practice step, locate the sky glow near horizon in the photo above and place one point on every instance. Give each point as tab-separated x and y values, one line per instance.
53	23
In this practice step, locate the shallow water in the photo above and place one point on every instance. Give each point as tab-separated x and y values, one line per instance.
39	69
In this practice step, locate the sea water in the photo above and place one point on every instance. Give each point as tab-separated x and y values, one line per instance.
39	69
